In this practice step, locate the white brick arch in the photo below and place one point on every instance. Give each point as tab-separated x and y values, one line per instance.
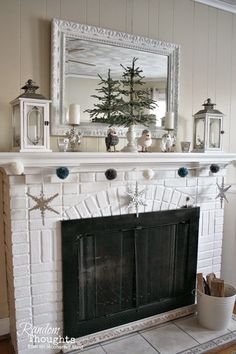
115	200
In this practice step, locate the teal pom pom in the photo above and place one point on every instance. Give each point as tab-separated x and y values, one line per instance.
62	172
182	171
214	168
111	174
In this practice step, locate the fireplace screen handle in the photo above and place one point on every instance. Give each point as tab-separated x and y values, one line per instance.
136	267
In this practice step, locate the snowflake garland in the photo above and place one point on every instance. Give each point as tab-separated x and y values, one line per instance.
136	199
42	204
222	190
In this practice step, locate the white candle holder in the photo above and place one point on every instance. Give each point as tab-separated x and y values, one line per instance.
74	138
62	144
169	121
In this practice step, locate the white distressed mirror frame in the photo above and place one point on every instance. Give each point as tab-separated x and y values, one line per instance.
61	28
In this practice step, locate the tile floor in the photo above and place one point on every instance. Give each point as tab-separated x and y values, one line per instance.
183	336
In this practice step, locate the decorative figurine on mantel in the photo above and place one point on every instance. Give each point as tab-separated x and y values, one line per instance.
167	143
145	141
168	140
73	135
112	139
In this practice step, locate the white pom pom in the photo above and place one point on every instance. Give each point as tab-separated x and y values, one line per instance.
149	173
17	168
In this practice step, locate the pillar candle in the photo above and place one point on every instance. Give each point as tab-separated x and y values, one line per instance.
74	114
169	120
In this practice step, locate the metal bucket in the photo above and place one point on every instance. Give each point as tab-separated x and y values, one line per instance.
215	312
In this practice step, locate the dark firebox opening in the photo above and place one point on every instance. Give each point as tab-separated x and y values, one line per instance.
119	269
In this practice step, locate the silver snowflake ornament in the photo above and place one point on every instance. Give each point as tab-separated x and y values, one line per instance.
222	190
42	204
136	198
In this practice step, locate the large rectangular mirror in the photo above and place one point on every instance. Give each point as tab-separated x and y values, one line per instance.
81	52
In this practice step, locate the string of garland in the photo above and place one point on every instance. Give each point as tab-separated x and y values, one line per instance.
110	174
42	202
183	171
17	168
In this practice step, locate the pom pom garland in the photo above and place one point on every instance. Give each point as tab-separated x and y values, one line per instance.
149	173
182	171
214	168
17	168
62	172
111	174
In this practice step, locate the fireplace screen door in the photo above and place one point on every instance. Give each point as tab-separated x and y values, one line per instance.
120	269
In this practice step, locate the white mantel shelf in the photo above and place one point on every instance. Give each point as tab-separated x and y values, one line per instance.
69	159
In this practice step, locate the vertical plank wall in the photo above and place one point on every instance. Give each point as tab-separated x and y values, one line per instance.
207	37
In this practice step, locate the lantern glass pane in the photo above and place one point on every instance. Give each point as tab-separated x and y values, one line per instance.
199	133
214	133
16	126
35	126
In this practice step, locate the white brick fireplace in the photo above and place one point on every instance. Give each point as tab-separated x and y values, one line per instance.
33	249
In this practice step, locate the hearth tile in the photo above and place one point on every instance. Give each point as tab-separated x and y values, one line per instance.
225	339
155	327
169	339
203	348
125	336
191	326
232	325
129	345
94	350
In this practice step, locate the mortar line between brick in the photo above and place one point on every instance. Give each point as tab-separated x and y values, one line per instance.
30	255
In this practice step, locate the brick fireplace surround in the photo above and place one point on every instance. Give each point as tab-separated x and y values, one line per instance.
33	251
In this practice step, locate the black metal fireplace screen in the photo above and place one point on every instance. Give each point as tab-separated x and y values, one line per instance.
119	269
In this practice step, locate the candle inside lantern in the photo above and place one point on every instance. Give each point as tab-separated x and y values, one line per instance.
74	114
169	120
212	138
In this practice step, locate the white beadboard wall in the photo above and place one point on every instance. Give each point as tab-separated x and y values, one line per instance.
207	37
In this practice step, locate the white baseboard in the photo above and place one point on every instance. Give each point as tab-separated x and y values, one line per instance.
4	326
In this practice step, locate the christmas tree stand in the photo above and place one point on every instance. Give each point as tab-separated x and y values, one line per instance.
131	137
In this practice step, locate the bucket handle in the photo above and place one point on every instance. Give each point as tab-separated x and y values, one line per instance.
196	292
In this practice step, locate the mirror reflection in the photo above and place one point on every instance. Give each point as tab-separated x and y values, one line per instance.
80	53
85	60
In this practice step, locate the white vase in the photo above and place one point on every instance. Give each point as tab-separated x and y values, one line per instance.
131	137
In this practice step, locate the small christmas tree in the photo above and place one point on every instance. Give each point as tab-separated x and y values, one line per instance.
109	102
137	99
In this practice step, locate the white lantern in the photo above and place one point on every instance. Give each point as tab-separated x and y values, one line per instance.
30	121
208	129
